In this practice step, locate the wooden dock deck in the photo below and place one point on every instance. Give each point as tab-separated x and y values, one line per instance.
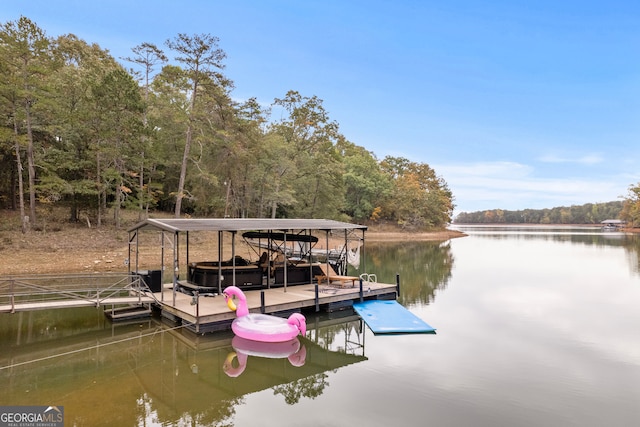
123	296
211	313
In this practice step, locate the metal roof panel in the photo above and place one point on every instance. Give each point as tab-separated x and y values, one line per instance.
243	224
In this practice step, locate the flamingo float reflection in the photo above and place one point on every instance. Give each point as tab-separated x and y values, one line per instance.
243	348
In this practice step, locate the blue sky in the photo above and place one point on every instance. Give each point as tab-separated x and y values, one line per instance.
516	104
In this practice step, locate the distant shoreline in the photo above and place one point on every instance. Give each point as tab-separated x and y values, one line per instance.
513	224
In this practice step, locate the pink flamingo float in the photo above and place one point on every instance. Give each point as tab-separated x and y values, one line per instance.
292	350
262	327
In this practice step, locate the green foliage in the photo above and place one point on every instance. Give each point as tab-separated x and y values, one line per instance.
366	185
25	53
313	169
420	199
631	207
168	135
590	213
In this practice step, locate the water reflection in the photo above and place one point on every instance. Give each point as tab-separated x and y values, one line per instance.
531	332
589	235
149	372
291	350
631	244
583	235
423	267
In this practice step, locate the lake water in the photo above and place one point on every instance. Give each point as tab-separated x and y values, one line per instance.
535	326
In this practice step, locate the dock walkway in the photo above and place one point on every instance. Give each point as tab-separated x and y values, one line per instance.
74	303
45	292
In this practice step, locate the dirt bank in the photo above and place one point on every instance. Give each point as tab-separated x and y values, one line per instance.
77	249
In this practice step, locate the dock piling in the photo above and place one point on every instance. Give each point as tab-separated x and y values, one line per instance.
197	297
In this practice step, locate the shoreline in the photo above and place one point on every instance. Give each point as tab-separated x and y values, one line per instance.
83	250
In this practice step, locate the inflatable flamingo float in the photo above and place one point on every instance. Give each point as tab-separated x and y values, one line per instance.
262	327
292	350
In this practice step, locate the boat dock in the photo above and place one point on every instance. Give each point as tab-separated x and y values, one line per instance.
283	281
210	313
125	297
289	276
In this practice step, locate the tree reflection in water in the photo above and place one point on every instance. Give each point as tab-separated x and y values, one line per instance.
310	387
423	267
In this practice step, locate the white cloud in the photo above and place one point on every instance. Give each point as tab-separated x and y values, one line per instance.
494	170
514	186
589	159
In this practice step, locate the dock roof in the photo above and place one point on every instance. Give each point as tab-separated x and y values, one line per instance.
612	221
243	224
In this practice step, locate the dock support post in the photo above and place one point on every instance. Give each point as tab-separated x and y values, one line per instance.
398	285
13	297
197	296
162	237
361	293
262	309
317	298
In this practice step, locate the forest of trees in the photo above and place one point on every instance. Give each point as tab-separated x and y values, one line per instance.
590	213
82	132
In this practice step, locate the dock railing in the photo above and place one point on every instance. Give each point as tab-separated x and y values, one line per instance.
39	292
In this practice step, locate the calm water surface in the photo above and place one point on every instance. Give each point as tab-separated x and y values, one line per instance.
535	327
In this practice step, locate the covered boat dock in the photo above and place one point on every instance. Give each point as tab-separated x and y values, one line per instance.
285	279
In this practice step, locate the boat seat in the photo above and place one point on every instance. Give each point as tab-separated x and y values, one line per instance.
264	263
330	275
342	280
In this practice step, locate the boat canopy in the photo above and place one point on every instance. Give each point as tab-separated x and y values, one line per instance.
244	224
271	235
276	232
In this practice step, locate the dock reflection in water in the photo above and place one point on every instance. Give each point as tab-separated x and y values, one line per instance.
132	374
